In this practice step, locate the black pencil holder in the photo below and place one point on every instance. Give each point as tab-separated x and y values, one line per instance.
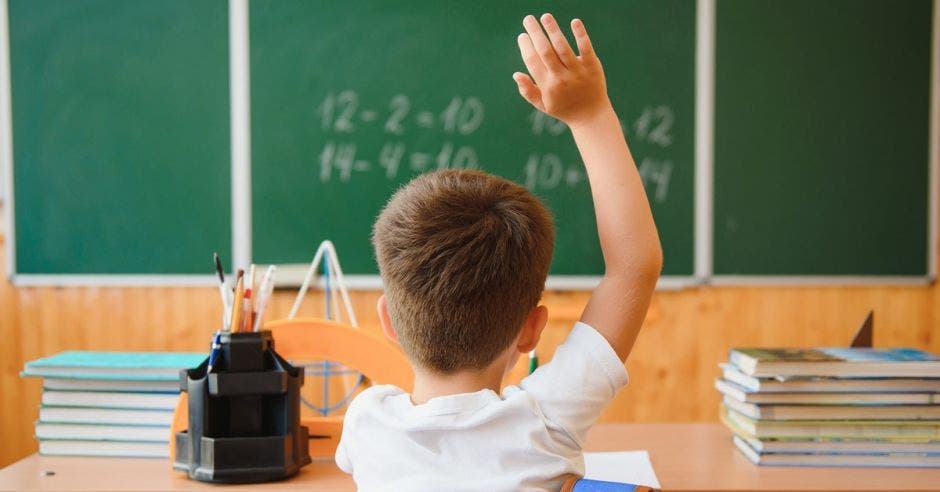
244	415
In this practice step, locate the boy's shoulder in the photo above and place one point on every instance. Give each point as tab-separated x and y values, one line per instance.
372	396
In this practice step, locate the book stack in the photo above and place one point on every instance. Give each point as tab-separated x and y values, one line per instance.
108	403
833	406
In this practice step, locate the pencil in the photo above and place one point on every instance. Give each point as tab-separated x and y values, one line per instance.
247	315
251	285
237	304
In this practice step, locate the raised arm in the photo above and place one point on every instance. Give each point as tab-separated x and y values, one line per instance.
572	89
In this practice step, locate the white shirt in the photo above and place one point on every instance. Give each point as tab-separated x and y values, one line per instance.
528	438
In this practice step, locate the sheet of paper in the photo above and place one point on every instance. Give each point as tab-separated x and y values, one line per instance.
621	466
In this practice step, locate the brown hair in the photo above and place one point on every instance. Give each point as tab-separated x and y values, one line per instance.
463	256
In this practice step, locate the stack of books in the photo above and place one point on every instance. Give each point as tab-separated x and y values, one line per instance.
108	403
833	407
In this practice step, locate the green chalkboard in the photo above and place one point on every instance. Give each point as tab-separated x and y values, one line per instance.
351	99
120	135
821	137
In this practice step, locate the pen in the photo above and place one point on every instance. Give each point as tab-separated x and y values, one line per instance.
222	294
214	353
264	295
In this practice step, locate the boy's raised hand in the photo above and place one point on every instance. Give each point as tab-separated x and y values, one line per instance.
560	84
572	89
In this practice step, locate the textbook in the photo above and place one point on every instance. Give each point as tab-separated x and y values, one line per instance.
838	459
108	403
842	446
834	412
111	385
105	448
101	432
745	395
64	415
146	366
838	362
846	429
101	399
834	444
828	384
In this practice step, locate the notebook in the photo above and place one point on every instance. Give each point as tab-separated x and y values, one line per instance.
908	460
883	429
105	448
834	412
841	362
103	399
101	432
110	385
745	395
105	416
771	384
153	366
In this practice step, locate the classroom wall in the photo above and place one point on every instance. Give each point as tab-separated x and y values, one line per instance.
687	333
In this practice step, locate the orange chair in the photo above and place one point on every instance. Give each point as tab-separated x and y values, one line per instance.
379	360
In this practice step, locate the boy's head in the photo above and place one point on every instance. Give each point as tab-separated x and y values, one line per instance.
463	256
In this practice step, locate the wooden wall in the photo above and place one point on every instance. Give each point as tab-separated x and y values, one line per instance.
687	334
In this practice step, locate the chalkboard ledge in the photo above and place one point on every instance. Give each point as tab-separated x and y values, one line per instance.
292	275
819	280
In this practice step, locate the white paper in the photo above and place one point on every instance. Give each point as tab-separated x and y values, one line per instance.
621	466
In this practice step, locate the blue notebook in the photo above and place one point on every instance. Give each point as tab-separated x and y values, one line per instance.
141	366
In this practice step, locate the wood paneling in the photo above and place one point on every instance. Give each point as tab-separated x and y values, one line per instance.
671	369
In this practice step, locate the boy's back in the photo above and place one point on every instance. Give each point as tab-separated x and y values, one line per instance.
464	257
528	438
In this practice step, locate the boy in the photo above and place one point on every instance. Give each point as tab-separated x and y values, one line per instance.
464	257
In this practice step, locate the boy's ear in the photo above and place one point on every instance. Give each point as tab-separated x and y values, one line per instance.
385	320
532	329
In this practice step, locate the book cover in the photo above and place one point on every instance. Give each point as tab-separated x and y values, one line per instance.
907	460
833	412
811	445
102	399
163	366
858	362
744	395
842	446
770	384
76	415
101	432
111	385
104	448
847	429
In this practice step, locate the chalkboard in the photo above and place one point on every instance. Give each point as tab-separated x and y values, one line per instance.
351	99
821	137
120	135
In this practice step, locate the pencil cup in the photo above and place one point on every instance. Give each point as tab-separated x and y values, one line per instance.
244	415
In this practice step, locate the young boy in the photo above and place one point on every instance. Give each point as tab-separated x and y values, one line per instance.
464	257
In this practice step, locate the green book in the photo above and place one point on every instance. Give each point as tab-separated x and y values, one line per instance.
845	429
836	362
143	366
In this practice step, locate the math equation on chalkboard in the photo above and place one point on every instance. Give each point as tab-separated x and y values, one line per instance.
344	116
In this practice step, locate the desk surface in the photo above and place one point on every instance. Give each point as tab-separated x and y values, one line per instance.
686	457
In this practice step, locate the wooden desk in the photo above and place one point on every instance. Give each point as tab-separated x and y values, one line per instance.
686	457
